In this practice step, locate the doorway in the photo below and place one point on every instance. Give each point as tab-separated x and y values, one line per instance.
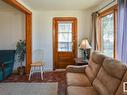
64	41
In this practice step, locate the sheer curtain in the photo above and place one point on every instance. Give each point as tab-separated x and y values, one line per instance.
122	31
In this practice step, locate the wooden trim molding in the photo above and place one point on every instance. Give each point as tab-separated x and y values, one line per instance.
28	14
108	11
113	10
18	6
28	42
115	32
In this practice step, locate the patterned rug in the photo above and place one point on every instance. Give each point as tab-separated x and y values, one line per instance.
53	76
28	88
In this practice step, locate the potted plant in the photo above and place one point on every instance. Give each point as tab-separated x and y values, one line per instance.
20	52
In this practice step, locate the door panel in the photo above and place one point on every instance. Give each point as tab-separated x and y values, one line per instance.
64	41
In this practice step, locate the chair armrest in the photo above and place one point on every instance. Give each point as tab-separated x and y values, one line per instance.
76	69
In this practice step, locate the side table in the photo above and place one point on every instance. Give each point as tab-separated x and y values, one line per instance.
79	61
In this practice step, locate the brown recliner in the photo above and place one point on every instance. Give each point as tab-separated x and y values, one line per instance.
84	75
108	81
109	77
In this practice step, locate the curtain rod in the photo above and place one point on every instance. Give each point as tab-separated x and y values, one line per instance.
105	6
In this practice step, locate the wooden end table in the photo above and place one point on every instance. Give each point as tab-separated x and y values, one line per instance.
79	61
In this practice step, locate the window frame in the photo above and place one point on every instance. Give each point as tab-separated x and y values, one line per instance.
113	10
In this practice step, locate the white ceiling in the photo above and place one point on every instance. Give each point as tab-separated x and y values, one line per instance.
61	4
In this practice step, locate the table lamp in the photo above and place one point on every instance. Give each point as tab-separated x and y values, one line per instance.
85	46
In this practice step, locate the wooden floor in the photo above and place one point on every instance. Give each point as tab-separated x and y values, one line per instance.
55	76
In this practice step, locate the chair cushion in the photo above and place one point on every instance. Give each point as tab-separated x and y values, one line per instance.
77	79
114	68
76	90
109	76
101	89
37	63
94	65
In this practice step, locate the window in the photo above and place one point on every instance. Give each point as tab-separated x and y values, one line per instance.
65	36
107	34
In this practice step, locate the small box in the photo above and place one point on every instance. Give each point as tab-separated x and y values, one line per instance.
125	87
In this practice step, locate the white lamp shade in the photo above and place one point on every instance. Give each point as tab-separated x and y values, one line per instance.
85	44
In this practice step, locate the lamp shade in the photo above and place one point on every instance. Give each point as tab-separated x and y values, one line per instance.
85	44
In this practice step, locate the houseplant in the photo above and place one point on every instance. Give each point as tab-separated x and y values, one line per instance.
20	52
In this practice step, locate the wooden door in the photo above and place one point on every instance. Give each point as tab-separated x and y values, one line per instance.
64	41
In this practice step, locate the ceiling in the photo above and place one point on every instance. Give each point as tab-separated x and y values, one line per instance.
61	4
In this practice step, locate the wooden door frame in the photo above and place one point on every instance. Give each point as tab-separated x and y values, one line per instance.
55	19
28	19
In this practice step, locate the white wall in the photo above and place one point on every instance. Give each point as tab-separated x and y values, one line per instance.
12	29
42	30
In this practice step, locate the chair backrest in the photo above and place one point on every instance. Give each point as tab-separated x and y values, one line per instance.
37	55
8	56
94	65
109	77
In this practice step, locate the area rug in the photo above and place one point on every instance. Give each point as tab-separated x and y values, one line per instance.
29	88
